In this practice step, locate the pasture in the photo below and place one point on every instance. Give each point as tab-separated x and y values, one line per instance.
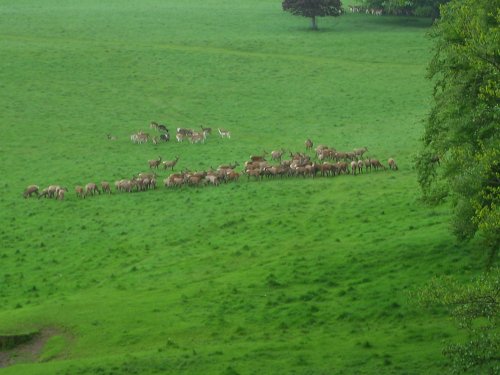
284	276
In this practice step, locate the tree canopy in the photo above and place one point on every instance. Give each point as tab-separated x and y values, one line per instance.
463	129
476	308
428	8
313	9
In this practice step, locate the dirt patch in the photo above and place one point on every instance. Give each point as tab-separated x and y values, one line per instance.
24	348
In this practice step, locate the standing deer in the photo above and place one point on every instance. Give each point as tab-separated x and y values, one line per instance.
154	163
224	133
170	163
276	155
309	144
206	130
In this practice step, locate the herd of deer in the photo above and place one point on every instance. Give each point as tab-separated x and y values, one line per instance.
181	134
362	9
328	162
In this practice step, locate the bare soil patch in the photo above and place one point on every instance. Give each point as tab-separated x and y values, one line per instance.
24	348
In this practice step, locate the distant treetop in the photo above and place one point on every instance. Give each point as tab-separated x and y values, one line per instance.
313	9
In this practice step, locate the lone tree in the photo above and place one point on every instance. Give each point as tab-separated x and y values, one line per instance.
313	9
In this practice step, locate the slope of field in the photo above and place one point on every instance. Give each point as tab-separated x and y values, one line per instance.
295	276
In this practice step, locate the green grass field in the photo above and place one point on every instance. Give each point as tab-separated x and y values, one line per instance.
292	276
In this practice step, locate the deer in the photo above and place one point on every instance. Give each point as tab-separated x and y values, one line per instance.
105	187
354	167
309	144
32	189
360	166
154	163
276	155
184	131
228	166
91	188
180	136
224	133
376	164
257	158
392	164
197	137
206	130
79	192
162	128
360	151
60	194
170	163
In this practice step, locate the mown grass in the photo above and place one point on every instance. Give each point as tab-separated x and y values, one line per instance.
289	276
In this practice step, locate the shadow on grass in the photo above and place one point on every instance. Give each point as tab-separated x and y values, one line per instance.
399	21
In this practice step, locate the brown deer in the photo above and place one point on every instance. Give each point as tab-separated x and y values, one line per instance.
79	192
170	163
91	188
105	187
309	144
32	189
392	164
154	163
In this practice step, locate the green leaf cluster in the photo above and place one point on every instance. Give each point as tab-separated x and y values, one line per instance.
313	8
427	8
463	128
476	308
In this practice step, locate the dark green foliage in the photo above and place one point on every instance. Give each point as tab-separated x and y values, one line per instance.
476	308
463	127
313	8
422	8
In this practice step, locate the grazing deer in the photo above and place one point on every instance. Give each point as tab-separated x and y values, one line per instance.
79	192
91	188
224	133
392	164
105	187
32	189
376	164
60	194
111	137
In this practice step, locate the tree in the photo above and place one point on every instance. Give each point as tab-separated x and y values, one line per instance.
476	309
313	9
463	128
424	8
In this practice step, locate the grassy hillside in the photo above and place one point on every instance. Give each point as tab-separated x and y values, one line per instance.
295	276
